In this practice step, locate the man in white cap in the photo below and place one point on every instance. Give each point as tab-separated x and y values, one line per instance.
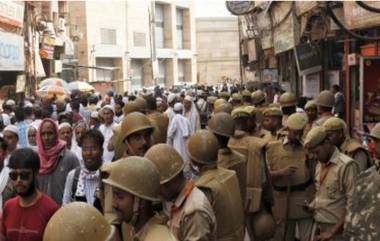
10	135
178	132
170	111
106	129
191	113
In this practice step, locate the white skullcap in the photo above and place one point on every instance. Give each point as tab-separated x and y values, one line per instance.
10	102
158	100
95	115
171	98
188	98
199	92
28	104
64	124
11	128
178	107
110	107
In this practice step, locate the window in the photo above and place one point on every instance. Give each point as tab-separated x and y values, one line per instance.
104	75
159	27
137	73
179	23
161	71
139	39
108	36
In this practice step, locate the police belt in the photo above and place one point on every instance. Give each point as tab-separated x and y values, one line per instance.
294	188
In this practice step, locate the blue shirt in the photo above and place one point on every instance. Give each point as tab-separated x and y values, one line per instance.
23	133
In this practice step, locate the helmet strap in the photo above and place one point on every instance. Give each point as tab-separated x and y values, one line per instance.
136	206
130	149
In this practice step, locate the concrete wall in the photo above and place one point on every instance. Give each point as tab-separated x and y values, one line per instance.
218	49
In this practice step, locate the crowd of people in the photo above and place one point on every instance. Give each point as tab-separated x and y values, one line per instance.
197	164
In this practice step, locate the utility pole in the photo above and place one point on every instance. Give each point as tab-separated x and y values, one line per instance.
152	35
240	53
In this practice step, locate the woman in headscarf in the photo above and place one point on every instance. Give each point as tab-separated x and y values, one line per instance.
65	133
56	160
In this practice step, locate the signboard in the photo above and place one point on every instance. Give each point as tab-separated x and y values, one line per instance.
308	58
370	89
11	52
357	17
12	13
270	75
285	35
333	77
264	27
20	83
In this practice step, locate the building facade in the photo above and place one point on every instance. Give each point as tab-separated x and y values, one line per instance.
135	43
218	49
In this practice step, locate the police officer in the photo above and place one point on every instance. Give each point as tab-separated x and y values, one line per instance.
223	127
288	103
312	115
292	180
226	108
210	102
236	99
190	212
338	135
135	185
78	221
259	101
335	178
214	181
325	102
359	226
272	122
224	95
159	120
247	100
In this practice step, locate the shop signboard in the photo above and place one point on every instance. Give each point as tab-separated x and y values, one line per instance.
11	52
12	13
270	75
311	85
357	17
286	31
370	89
308	58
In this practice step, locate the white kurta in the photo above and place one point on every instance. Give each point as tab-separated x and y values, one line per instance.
193	117
178	132
170	113
107	133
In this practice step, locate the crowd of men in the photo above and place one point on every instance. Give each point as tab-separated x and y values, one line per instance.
198	165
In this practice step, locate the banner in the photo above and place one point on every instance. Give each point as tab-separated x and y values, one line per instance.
12	13
370	89
11	52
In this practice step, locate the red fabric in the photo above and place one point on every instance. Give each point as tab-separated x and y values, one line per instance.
49	158
27	224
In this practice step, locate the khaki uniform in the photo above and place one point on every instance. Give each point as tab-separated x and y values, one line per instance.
260	133
227	206
356	151
160	122
237	162
287	206
334	192
192	217
307	129
321	120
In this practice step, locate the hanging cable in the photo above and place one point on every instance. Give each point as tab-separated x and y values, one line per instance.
368	7
349	32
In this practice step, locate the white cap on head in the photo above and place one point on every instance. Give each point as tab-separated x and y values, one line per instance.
199	92
171	98
95	115
11	128
188	98
178	107
64	124
158	101
10	102
110	107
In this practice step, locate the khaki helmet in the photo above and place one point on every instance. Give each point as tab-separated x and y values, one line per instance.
246	93
375	132
288	99
135	175
131	106
310	105
222	124
219	102
314	137
264	226
240	112
211	99
326	98
141	104
226	108
334	124
257	97
167	160
134	122
237	96
67	225
296	121
224	94
272	111
202	147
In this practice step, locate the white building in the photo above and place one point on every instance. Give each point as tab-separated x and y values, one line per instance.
118	38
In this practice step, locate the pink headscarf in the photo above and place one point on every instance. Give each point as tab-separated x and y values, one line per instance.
49	158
